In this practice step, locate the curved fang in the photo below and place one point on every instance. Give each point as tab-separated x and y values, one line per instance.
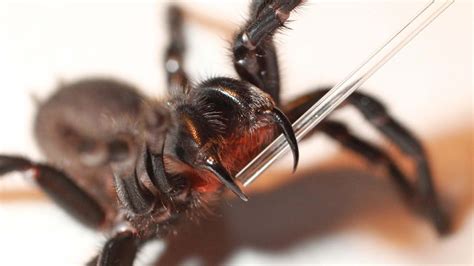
215	167
285	125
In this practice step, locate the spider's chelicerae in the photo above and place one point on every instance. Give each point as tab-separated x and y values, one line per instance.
133	167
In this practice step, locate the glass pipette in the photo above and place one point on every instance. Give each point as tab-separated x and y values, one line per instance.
343	89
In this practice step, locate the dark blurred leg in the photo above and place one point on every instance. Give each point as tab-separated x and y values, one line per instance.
177	78
60	188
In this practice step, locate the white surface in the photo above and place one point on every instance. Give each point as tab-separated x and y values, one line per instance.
428	85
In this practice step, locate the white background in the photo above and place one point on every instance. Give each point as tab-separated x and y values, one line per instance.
428	86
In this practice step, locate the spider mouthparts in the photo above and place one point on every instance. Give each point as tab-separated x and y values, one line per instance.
214	166
285	125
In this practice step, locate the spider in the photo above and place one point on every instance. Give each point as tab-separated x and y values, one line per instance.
134	167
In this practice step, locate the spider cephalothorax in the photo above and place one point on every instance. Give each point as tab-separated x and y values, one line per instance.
133	167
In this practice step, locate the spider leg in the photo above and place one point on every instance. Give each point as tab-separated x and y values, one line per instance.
254	53
339	132
60	188
119	250
425	195
131	193
177	78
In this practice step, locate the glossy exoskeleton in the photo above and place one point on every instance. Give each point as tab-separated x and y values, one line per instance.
133	167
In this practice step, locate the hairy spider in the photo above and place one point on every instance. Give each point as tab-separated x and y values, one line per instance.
167	161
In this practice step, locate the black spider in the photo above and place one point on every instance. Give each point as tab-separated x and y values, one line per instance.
167	161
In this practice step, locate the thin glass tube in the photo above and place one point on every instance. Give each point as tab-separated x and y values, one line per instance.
343	89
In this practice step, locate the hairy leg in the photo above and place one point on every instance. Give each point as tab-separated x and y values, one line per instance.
425	194
254	53
60	188
119	250
340	133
